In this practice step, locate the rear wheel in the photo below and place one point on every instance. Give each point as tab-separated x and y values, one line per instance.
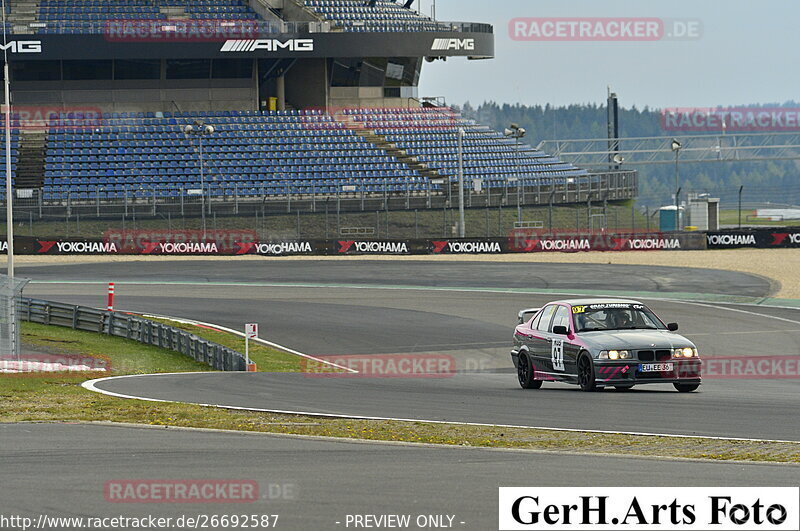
586	374
686	388
526	373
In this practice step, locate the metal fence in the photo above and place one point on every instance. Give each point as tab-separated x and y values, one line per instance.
131	327
224	199
10	291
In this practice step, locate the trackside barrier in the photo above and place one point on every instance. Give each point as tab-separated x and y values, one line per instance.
519	240
779	237
131	327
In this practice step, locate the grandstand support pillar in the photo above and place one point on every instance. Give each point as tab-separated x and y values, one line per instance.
313	197
550	210
327	223
408	195
461	228
181	196
235	198
280	89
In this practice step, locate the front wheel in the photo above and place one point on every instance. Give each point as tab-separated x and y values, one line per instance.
526	373
586	374
686	388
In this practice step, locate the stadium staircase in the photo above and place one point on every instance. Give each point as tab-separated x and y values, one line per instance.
22	13
412	162
30	168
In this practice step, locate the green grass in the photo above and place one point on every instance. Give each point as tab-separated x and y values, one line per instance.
59	397
127	356
267	359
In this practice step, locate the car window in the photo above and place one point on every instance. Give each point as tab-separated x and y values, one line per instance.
562	317
547	313
535	321
614	316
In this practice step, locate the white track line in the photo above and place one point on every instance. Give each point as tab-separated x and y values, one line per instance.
241	334
91	386
737	310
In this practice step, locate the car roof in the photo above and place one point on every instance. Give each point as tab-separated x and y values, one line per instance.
584	302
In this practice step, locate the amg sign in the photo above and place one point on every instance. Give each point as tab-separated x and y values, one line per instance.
443	45
22	46
270	45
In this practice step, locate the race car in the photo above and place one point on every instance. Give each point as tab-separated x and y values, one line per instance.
599	343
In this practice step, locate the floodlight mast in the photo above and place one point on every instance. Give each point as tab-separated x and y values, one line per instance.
11	310
9	187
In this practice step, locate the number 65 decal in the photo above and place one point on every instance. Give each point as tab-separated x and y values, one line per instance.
557	354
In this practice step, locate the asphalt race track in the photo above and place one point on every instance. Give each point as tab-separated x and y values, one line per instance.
311	483
461	310
467	312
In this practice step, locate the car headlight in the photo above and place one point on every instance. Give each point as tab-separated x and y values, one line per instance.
686	352
614	355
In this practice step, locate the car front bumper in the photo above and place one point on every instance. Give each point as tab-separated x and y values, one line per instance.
629	372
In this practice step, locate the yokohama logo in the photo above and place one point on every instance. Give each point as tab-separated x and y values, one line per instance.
466	247
187	247
565	245
654	243
453	44
373	247
270	45
283	248
779	238
78	247
731	239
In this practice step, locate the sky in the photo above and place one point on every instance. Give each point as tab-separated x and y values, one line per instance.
748	52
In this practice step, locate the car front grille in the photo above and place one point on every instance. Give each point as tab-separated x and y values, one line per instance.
654	355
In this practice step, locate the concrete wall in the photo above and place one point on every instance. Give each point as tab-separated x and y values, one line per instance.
140	96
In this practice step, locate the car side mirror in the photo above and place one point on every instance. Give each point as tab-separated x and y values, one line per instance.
672	327
560	330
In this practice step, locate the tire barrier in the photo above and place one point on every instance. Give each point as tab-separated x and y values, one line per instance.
132	327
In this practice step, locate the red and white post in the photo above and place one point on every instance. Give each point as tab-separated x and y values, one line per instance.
110	306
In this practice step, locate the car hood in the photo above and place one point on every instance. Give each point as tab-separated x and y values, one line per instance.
634	339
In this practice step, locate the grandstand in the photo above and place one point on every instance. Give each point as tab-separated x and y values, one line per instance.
104	90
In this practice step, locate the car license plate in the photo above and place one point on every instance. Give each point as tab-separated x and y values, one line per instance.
655	367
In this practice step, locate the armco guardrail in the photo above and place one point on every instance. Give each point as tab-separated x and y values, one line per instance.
131	327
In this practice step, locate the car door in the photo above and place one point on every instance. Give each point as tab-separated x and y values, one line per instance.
539	340
558	342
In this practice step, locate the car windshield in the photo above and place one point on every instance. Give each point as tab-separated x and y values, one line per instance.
595	317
